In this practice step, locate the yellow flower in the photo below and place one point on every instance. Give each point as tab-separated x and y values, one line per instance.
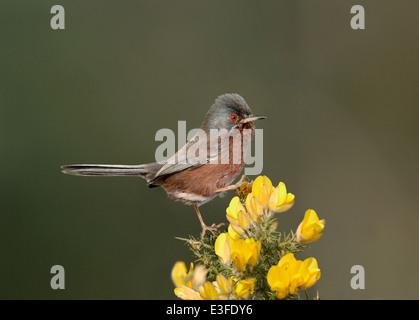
233	233
237	215
298	275
180	274
224	287
254	207
265	196
208	291
262	189
313	272
230	289
287	261
234	207
222	247
186	293
310	228
291	274
223	284
278	280
280	200
192	279
244	287
244	252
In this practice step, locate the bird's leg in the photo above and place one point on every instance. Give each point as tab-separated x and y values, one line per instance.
214	227
211	229
232	186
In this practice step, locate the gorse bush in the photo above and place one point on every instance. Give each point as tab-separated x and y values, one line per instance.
251	259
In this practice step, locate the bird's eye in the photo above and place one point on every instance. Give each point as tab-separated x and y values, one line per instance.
234	117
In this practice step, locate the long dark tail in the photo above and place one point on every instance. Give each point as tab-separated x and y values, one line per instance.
146	171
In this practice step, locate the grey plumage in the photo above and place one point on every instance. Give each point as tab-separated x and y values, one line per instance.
146	171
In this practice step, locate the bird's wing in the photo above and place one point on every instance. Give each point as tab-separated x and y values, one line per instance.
196	152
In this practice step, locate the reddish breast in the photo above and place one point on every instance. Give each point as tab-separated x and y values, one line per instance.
196	186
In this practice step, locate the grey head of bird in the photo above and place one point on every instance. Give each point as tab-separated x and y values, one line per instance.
229	111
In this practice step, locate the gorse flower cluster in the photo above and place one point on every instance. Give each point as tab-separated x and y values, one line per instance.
192	285
251	259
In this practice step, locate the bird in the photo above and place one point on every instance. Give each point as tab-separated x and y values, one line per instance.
196	182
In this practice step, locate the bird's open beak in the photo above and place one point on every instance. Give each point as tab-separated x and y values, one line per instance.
252	118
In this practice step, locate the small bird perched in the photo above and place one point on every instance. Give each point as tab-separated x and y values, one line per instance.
195	182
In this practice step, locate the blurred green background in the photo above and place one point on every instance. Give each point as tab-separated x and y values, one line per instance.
342	133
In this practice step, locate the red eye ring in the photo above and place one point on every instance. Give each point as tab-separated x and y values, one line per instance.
234	117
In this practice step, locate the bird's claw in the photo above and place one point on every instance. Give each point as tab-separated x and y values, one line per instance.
213	228
239	183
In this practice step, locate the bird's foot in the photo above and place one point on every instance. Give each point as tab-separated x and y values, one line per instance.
239	183
214	227
232	186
